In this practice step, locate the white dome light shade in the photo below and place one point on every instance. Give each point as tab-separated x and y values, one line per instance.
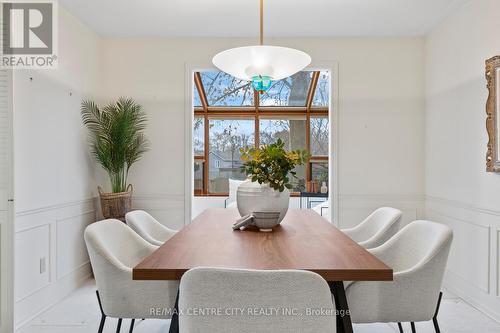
275	62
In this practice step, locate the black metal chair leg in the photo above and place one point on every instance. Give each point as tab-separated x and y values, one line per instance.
434	319
131	326
174	322
436	325
413	329
103	316
119	326
400	328
101	325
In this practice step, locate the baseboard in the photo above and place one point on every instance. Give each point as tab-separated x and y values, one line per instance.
53	233
463	290
473	271
77	284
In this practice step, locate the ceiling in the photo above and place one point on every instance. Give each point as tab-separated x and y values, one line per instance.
283	18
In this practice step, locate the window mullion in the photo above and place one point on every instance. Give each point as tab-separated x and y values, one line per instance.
256	100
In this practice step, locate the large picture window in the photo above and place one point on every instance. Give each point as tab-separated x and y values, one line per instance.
229	115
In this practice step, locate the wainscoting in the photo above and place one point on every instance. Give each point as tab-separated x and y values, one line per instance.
473	271
166	208
169	209
51	259
354	208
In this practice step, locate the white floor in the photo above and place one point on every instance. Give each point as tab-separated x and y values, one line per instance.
79	313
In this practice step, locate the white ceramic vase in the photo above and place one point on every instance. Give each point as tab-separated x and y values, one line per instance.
254	197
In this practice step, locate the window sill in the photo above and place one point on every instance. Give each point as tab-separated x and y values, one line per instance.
225	195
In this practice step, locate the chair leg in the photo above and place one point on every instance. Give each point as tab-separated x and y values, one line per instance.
131	326
119	326
436	325
400	328
101	325
413	329
103	316
434	319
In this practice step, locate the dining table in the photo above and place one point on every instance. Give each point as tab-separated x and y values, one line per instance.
303	240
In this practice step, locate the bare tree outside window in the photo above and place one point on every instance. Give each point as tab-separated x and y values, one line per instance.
223	89
233	111
319	136
199	136
226	138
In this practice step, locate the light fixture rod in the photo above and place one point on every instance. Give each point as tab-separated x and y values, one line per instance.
261	22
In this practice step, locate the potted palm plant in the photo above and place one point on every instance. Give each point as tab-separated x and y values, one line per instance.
117	141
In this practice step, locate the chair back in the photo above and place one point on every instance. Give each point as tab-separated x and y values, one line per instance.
255	301
114	249
377	228
148	227
420	243
418	254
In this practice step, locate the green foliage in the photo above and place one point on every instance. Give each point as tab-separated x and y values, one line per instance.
272	164
116	137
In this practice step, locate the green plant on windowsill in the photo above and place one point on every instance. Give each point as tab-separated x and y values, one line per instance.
272	164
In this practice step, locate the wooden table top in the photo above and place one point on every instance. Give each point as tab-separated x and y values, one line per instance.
304	240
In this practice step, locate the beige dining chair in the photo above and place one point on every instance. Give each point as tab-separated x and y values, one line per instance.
114	249
148	227
377	228
418	255
277	301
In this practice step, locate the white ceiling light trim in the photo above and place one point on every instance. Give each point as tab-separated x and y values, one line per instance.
256	62
265	60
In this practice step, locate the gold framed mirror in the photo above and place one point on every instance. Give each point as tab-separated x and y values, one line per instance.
493	118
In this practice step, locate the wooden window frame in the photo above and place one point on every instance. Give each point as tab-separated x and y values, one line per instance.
255	112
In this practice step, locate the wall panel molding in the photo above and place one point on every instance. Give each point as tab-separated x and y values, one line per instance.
463	205
354	208
78	222
473	271
66	260
55	207
167	208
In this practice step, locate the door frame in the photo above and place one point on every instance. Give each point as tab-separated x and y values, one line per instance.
7	230
334	154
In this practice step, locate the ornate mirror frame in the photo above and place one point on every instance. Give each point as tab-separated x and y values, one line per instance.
492	120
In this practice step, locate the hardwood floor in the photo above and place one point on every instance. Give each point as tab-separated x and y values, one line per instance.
79	313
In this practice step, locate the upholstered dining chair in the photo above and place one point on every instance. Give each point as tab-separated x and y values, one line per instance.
377	228
148	227
244	296
230	201
114	249
418	254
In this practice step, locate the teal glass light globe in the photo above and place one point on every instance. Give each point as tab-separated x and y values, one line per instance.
261	83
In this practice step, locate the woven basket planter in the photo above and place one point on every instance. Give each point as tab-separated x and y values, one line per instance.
116	205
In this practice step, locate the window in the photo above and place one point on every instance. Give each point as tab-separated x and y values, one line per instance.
198	176
199	136
222	89
322	94
319	172
292	131
291	91
196	97
319	136
229	115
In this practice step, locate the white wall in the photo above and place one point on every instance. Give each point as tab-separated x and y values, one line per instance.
459	191
54	186
381	116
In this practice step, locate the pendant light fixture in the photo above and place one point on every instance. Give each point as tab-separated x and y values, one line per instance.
261	64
